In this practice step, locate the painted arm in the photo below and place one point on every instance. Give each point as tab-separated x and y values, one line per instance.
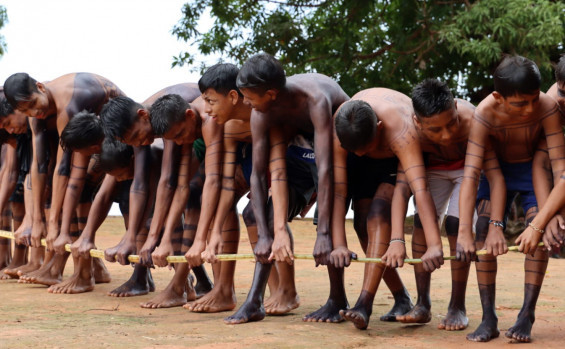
138	195
39	169
213	137
71	199
282	245
9	176
341	255
180	199
165	192
259	185
396	252
323	129
226	202
96	216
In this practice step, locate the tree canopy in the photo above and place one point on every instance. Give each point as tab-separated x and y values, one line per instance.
392	43
3	20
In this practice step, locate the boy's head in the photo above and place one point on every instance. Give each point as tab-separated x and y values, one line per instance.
356	127
116	159
220	92
260	79
172	118
27	95
83	134
11	120
517	82
435	111
127	121
560	79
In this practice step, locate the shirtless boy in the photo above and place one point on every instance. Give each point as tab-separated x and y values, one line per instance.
62	97
443	124
377	123
512	119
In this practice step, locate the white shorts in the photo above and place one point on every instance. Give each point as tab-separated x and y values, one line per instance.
444	186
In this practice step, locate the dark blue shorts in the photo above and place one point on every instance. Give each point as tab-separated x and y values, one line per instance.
245	160
518	179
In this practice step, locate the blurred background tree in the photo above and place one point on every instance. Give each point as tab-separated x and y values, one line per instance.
3	21
393	43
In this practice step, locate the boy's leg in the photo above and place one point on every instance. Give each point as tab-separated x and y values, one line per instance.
379	235
486	266
5	243
19	256
535	267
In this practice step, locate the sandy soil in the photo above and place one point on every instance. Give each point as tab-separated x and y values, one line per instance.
30	316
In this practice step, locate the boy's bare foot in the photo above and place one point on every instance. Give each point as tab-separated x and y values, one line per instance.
401	306
486	331
100	272
454	320
282	302
214	301
140	283
417	315
173	296
249	311
77	283
330	312
358	315
522	329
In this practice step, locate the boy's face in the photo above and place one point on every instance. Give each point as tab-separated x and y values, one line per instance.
218	106
259	102
183	132
123	173
440	128
36	107
15	123
140	133
521	105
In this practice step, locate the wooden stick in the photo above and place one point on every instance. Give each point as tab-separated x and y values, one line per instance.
236	257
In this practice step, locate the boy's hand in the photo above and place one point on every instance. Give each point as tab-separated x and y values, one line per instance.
38	231
466	249
159	256
194	254
282	249
394	255
214	247
528	241
341	257
146	250
323	249
60	242
495	243
262	249
81	248
553	236
23	235
52	234
433	258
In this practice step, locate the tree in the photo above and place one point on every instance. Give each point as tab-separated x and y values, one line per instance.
394	43
3	20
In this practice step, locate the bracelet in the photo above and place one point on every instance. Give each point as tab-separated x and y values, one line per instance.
541	231
397	240
496	223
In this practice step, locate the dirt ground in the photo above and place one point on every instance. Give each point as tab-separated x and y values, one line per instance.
30	316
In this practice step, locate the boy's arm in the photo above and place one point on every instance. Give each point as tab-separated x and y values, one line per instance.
282	246
138	195
180	199
98	212
39	169
341	255
323	130
474	156
260	160
227	197
75	184
165	192
495	243
396	252
9	176
410	157
213	135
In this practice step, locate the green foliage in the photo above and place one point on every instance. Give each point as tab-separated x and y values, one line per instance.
3	21
392	43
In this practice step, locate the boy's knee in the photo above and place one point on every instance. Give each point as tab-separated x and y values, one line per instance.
248	216
451	225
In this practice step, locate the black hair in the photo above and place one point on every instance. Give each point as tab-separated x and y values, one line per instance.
220	77
19	87
82	131
516	75
166	112
355	124
114	155
431	97
118	116
560	70
5	107
261	72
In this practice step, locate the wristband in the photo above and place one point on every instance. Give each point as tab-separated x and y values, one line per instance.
496	223
397	240
541	231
